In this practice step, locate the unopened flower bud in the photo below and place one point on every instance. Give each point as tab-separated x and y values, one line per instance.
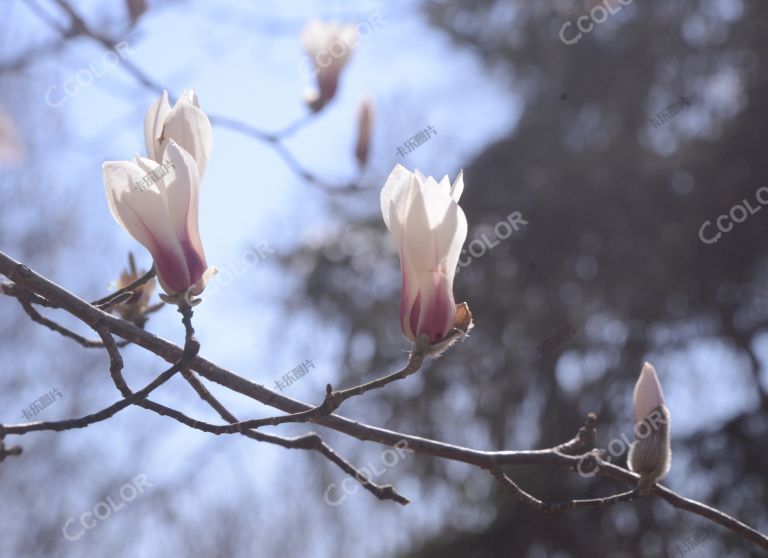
429	228
364	132
329	46
135	308
650	455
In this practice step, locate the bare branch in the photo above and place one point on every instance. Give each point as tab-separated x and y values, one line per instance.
586	464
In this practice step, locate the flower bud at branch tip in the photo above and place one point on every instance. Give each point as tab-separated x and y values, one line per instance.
157	199
329	45
650	455
429	228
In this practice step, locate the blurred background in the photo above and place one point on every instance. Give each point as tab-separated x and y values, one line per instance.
616	131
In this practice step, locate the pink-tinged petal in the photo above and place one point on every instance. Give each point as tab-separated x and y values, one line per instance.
409	315
144	214
409	295
437	310
648	394
154	122
183	189
189	126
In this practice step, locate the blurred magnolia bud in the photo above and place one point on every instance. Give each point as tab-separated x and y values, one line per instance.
650	455
329	46
135	9
12	150
135	307
364	132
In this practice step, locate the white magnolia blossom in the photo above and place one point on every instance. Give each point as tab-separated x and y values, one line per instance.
158	206
650	454
329	46
429	228
185	123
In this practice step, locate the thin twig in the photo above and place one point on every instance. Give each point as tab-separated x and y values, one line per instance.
333	399
542	506
104	414
113	299
50	324
78	27
385	492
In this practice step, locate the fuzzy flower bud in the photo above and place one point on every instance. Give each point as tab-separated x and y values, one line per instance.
650	455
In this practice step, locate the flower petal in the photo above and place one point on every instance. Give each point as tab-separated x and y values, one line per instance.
144	214
183	190
154	121
648	394
397	191
189	126
435	230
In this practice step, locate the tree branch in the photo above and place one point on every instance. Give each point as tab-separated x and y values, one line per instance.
587	463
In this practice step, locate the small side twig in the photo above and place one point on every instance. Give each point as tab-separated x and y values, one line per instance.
58	328
125	293
310	441
333	399
542	506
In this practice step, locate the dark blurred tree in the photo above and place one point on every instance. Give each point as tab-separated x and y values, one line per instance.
614	205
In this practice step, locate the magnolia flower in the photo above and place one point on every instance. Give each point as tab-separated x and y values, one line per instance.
429	228
650	454
161	213
329	46
186	124
364	131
